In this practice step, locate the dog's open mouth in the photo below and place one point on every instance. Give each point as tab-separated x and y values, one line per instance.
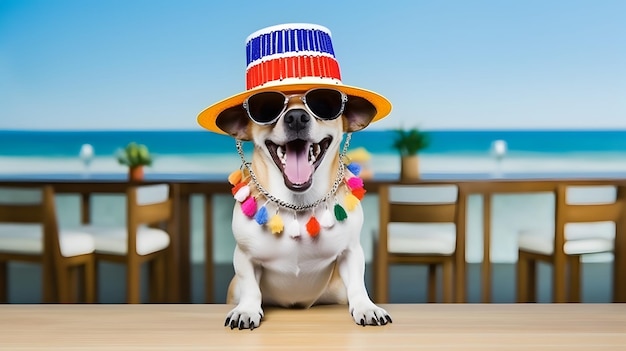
298	160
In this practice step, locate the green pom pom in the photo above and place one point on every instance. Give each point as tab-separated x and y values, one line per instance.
340	213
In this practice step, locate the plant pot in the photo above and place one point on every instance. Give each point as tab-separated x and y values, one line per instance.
135	174
409	168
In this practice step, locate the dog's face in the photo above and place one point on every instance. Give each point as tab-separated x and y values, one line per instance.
298	143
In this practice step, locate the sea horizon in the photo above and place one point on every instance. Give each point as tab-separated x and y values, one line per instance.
200	151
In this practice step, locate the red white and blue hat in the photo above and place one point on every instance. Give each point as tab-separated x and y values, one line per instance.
289	58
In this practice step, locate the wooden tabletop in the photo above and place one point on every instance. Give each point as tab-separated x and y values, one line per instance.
415	326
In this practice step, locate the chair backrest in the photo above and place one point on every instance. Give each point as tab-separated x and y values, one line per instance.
587	205
21	205
421	204
148	204
34	205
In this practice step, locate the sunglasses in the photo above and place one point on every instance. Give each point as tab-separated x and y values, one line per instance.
266	107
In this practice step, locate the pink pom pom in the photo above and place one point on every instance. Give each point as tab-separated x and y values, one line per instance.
248	207
355	183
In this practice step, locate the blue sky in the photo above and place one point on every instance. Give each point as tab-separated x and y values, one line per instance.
154	64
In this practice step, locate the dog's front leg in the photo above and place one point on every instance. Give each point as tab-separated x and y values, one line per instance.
248	313
352	271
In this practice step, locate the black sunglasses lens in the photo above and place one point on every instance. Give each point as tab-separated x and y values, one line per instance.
325	103
266	106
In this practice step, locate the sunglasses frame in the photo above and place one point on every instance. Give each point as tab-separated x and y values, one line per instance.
344	99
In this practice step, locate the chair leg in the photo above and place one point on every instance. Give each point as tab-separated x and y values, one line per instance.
63	284
96	281
526	279
133	276
3	282
574	278
559	289
522	278
432	283
89	285
171	281
74	283
448	281
157	279
381	279
532	280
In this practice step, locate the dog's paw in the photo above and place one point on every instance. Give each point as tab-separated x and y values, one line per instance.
244	318
367	313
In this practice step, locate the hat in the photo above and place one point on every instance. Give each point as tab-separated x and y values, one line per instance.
287	58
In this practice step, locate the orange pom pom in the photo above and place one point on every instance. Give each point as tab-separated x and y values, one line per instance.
359	193
235	177
313	227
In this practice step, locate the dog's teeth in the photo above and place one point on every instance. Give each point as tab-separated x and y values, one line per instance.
314	151
280	152
312	155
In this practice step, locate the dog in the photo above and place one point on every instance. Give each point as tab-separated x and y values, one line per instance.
296	112
303	271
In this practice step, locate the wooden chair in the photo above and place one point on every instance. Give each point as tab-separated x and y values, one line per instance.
147	237
29	233
417	229
586	220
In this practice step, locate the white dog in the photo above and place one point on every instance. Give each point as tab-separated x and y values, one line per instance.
305	270
290	252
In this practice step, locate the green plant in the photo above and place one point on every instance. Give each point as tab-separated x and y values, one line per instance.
134	155
410	142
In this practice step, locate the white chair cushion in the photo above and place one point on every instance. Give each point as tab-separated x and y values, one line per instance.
27	239
431	238
578	231
577	242
113	240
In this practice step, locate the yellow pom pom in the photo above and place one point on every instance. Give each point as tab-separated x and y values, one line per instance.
276	224
235	177
351	201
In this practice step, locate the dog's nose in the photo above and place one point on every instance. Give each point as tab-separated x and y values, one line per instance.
297	119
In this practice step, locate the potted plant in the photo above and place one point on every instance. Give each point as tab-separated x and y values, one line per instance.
409	143
135	156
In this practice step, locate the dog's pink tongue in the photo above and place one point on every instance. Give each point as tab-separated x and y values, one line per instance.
297	167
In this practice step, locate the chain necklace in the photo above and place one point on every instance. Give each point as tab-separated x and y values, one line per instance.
347	175
281	203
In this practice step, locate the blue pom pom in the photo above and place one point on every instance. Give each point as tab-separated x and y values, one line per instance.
355	168
261	216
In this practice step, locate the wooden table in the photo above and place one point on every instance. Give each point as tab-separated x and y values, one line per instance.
416	326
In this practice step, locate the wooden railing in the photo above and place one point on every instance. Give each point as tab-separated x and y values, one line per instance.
207	188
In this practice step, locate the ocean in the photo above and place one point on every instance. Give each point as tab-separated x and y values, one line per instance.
205	152
575	153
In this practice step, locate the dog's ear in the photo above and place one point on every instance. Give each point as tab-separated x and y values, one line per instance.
358	113
234	121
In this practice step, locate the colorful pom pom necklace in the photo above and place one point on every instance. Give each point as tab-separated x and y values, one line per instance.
247	190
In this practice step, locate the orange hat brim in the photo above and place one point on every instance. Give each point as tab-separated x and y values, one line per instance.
208	116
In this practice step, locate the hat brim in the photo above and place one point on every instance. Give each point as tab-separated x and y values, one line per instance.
208	117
